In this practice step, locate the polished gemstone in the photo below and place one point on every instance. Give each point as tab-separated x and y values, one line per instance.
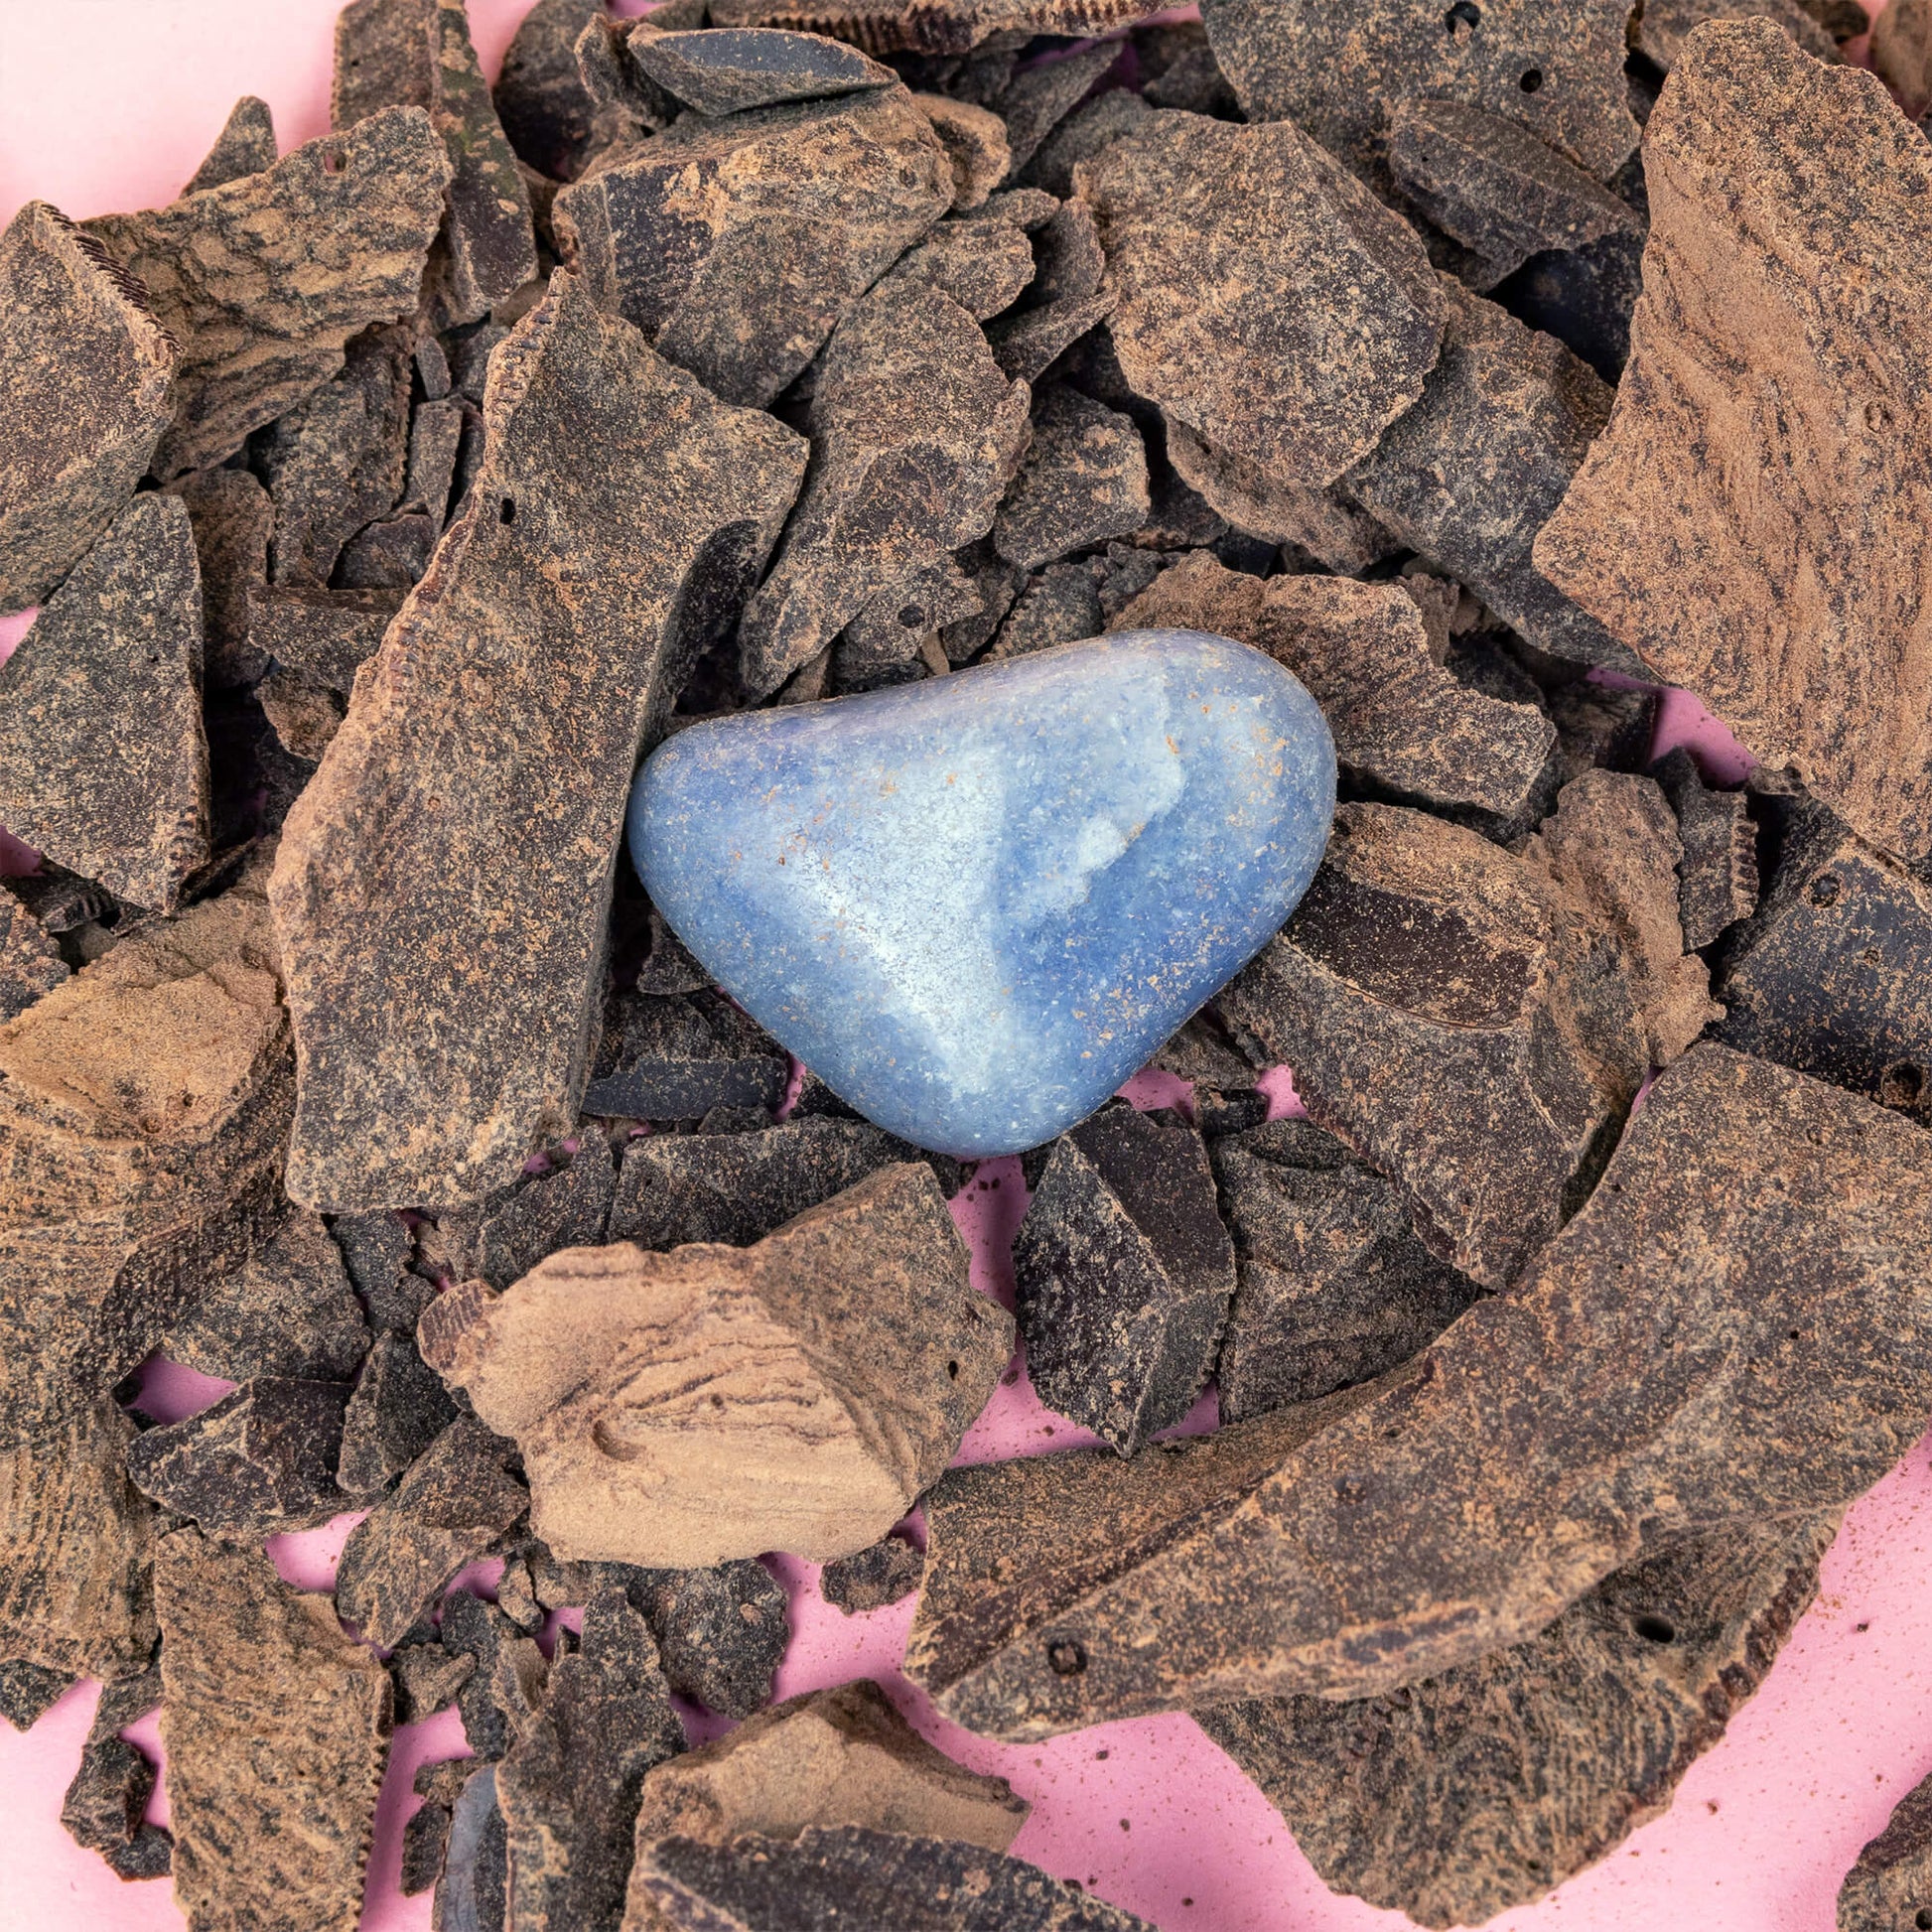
976	904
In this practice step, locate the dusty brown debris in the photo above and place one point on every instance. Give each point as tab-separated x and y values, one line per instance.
504	1684
1124	1273
672	1057
1762	582
144	1111
86	374
245	146
883	1573
1332	1284
390	554
104	764
809	202
975	141
1027	343
1095	124
234	520
276	1727
721	1631
262	281
1480	1789
30	959
427	1680
854	1324
1399	718
1893	1874
662	501
897	637
455	1500
1083	481
1554	65
1718	873
1266	298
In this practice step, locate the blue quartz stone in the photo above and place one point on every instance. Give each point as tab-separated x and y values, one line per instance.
975	906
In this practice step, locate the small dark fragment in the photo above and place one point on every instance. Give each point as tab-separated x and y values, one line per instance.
425	1840
1083	480
435	440
1718	873
827	1879
729	70
896	636
390	554
27	1690
397	1410
325	636
1056	605
1662	26
721	1632
261	1460
570	1788
103	761
455	1500
975	141
1124	1273
677	1057
503	1681
473	1892
886	1572
30	959
376	1251
548	116
86	369
1471	1792
1178	69
566	1206
1332	1284
1902	55
1071	263
428	1679
261	281
1038	97
109	1792
982	262
1028	342
1890	1885
1094	125
234	520
276	1726
245	146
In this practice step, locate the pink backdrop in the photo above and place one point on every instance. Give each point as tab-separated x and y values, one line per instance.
105	107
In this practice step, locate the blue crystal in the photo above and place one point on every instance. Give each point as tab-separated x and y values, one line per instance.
975	906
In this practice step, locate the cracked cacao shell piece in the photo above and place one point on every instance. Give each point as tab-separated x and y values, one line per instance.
883	1573
103	758
721	1632
1083	480
1662	26
563	1206
982	262
732	69
27	1690
1718	873
245	146
617	517
1768	581
1890	1885
276	1727
262	281
1457	1797
325	637
86	374
1498	1033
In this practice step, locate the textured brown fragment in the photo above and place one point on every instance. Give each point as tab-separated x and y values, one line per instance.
397	1410
28	1692
76	1545
681	1408
427	1680
676	1057
104	764
389	554
915	435
1777	1364
896	636
245	146
896	27
721	1631
143	1114
618	514
1028	342
1663	25
1481	1788
1718	873
262	281
30	960
85	373
803	206
1266	298
325	636
1337	71
1399	718
1901	52
455	1500
975	141
276	1727
425	1842
1332	1286
1888	1889
883	1573
1454	1019
1038	97
106	1801
732	71
234	520
1786	322
1095	124
982	262
549	117
435	441
563	1206
1083	481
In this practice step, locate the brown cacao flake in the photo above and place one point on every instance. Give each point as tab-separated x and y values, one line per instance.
897	26
1883	1890
262	281
548	116
721	1631
565	1205
427	1680
1718	873
1766	582
1901	54
975	141
234	520
883	1573
1662	26
1093	125
1038	97
325	637
108	1798
1028	342
670	1057
1457	1797
664	500
103	763
30	960
28	1692
276	1727
732	70
245	146
983	263
397	1410
85	391
1083	480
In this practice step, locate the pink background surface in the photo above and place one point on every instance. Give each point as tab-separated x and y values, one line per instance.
105	106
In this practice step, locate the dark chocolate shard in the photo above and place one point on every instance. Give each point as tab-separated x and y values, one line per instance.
1497	1018
234	520
570	1788
548	116
1718	873
107	1799
825	1879
261	1460
721	1631
276	1727
86	374
669	966
261	281
455	1500
1554	68
896	636
665	501
1690	562
491	1696
30	959
1071	263
894	27
144	1112
390	554
1028	342
1777	1364
325	636
302	716
1469	477
75	1547
806	206
1332	1284
435	441
1891	1883
245	146
566	1206
884	1573
1056	605
677	1057
982	262
1399	718
915	435
1083	480
1266	298
1092	126
1178	69
28	1691
975	141
730	70
1829	975
103	761
428	1679
1471	1792
1662	26
1040	96
425	1840
1124	1273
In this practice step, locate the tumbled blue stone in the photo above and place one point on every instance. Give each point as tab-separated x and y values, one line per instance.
975	906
